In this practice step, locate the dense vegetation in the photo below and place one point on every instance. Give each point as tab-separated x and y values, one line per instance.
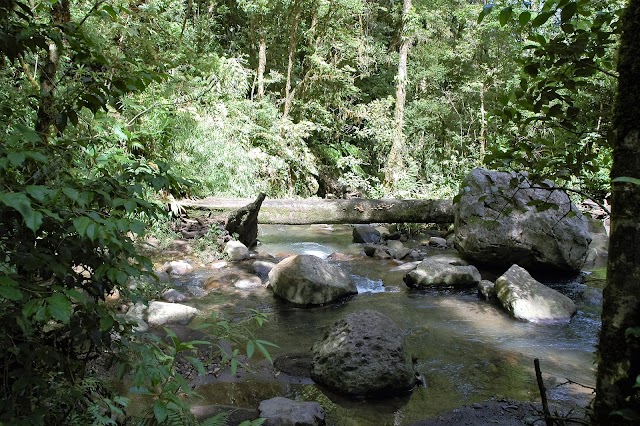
110	108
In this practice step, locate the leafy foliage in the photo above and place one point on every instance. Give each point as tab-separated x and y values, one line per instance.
561	104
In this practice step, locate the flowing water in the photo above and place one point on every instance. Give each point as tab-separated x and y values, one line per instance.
467	350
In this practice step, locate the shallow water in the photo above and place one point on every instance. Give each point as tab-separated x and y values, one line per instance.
467	350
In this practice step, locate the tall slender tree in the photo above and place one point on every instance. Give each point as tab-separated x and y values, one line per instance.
618	375
395	163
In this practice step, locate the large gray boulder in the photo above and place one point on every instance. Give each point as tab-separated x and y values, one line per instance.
528	300
363	355
308	280
281	411
439	272
163	313
501	219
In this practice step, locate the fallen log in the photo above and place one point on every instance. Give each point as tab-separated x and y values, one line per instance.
354	210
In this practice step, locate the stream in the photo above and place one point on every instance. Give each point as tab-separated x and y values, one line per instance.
467	349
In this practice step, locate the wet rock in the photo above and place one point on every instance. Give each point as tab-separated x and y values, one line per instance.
308	280
382	254
438	273
365	234
281	411
498	223
248	283
405	266
363	355
414	254
262	268
437	242
173	296
599	248
526	299
162	313
236	251
178	267
395	244
340	257
370	249
295	364
401	253
486	290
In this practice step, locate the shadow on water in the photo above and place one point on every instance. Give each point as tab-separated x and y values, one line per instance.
466	349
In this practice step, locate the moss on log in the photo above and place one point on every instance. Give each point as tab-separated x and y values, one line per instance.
355	210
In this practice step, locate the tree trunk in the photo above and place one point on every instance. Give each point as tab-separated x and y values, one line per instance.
293	44
618	350
46	116
356	210
262	63
395	163
483	125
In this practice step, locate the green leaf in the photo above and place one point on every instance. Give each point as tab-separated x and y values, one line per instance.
31	307
16	158
568	11
524	18
160	411
60	307
106	322
38	192
250	348
9	288
81	224
632	332
71	193
92	231
486	9
198	365
505	15
626	179
20	202
265	352
541	18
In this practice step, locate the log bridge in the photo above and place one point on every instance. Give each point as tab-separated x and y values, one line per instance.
355	210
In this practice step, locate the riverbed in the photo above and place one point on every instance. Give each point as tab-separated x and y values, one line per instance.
466	349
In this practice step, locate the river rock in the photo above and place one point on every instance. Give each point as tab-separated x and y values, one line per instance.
527	299
178	267
172	295
236	250
598	253
497	223
437	242
247	283
431	273
262	268
281	411
401	253
365	234
308	280
395	244
162	313
363	355
487	290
